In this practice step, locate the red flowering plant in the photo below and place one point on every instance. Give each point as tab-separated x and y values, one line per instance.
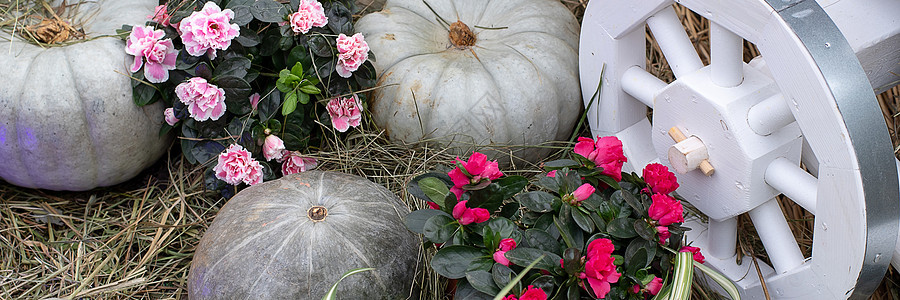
584	230
260	74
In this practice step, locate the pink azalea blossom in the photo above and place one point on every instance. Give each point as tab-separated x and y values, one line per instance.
344	112
209	29
254	100
235	165
654	286
160	15
583	192
310	14
468	216
477	169
599	269
698	257
551	173
500	254
433	205
660	179
204	100
606	152
665	209
295	163
170	116
530	293
155	55
664	234
273	148
352	53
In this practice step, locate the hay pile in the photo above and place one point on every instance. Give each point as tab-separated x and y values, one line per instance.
135	240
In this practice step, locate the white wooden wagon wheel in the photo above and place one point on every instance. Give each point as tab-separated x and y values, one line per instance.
750	121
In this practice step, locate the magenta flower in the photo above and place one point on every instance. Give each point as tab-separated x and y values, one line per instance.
310	14
530	293
169	113
664	234
660	179
551	173
344	112
500	254
295	163
654	286
698	257
477	169
468	216
583	192
254	100
160	15
273	148
433	205
155	55
606	152
599	269
204	100
665	209
352	53
209	29
236	165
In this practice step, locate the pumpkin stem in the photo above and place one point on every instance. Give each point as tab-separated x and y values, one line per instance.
461	35
317	213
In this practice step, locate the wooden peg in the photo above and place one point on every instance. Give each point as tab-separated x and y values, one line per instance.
678	136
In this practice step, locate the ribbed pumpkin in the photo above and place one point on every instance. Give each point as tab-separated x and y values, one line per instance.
497	72
293	238
67	118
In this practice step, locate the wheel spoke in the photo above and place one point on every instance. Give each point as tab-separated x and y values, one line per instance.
776	236
674	42
726	56
769	115
641	85
792	181
722	238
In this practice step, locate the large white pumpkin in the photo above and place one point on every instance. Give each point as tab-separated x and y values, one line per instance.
67	118
509	76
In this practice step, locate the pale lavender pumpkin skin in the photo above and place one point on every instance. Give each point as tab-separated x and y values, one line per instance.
263	245
67	118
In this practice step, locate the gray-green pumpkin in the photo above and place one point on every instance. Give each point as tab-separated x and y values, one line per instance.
67	118
293	238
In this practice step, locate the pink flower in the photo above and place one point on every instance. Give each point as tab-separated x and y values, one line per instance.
500	254
530	293
344	112
660	179
352	53
209	29
467	215
606	152
236	165
273	148
294	163
599	269
664	234
204	100
310	14
698	257
551	173
665	209
433	205
654	286
160	16
254	100
583	192
170	116
160	55
477	168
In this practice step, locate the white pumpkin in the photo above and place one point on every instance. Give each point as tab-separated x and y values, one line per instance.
507	76
67	118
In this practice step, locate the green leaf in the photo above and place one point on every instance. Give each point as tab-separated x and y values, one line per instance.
621	228
561	163
510	186
505	228
434	189
299	54
537	201
546	260
629	198
572	261
339	18
415	220
297	69
482	281
143	94
320	46
290	103
723	281
310	89
540	239
248	38
242	16
303	98
416	190
502	275
268	106
440	228
465	291
684	273
205	151
639	254
509	210
237	94
452	261
268	11
645	230
235	66
515	282
574	292
582	220
610	182
548	183
332	293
